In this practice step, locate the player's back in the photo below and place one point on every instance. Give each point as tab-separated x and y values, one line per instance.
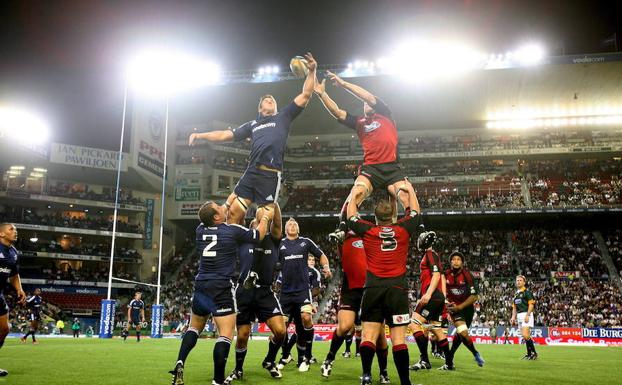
387	248
266	252
430	264
353	261
217	247
293	254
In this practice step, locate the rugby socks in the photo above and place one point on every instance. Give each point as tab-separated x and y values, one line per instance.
32	333
422	343
335	344
240	355
187	344
137	336
348	339
309	335
468	342
368	350
382	355
221	352
301	346
444	347
27	334
456	343
289	344
531	349
434	346
273	348
400	358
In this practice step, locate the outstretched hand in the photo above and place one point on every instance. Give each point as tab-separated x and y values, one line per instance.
319	87
192	139
311	63
337	81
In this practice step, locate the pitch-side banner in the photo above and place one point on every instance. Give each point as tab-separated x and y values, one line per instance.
148	122
87	157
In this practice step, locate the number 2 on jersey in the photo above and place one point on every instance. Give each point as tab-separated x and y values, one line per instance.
207	250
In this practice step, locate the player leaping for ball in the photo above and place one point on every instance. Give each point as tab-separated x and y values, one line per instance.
261	181
377	132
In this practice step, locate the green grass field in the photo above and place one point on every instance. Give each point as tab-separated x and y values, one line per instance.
107	362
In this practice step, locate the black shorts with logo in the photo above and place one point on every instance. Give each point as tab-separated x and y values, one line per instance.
433	310
214	297
291	303
465	315
259	303
385	300
382	175
260	186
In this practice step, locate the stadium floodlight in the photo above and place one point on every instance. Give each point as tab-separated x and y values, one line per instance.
530	54
275	69
22	125
163	73
34	238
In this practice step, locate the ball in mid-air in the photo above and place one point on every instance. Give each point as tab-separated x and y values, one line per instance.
298	65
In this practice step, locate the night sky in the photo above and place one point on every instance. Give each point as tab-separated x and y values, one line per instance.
64	59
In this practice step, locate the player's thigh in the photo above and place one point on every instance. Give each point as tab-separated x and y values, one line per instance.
243	333
526	332
225	325
277	325
307	319
4	323
361	190
398	335
418	321
371	331
461	328
345	321
237	211
198	322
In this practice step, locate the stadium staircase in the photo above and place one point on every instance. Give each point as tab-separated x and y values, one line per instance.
333	285
525	191
614	276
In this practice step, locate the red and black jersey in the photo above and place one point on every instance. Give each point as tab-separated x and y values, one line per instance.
460	285
430	264
353	261
377	134
386	246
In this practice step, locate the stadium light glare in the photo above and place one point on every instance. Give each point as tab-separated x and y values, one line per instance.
161	73
530	54
39	169
22	125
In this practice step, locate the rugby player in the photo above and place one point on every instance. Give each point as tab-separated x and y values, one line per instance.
214	294
34	304
385	297
9	271
461	295
135	315
522	313
261	181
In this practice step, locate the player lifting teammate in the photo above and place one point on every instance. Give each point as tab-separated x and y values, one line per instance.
461	295
385	298
429	310
261	181
522	313
217	244
135	315
9	270
259	302
377	133
296	297
354	266
34	304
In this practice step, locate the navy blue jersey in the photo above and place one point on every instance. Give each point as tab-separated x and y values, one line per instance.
314	278
293	255
34	304
267	255
268	136
8	265
218	247
136	305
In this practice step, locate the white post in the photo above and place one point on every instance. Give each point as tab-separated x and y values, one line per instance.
116	197
162	207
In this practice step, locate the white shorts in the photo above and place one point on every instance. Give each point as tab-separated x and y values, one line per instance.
520	319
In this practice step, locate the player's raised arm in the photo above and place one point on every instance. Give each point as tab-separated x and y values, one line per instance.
320	90
307	88
358	91
212	136
266	214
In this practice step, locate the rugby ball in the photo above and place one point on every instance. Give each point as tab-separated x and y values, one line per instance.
298	65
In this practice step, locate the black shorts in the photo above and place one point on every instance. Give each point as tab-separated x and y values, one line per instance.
465	315
382	175
292	303
258	303
260	186
350	299
215	297
433	310
385	300
135	321
4	308
34	317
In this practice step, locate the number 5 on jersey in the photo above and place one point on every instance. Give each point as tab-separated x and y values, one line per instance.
207	250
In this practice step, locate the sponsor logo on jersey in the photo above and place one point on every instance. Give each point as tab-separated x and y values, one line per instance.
296	256
5	270
387	229
372	126
358	244
303	244
265	125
